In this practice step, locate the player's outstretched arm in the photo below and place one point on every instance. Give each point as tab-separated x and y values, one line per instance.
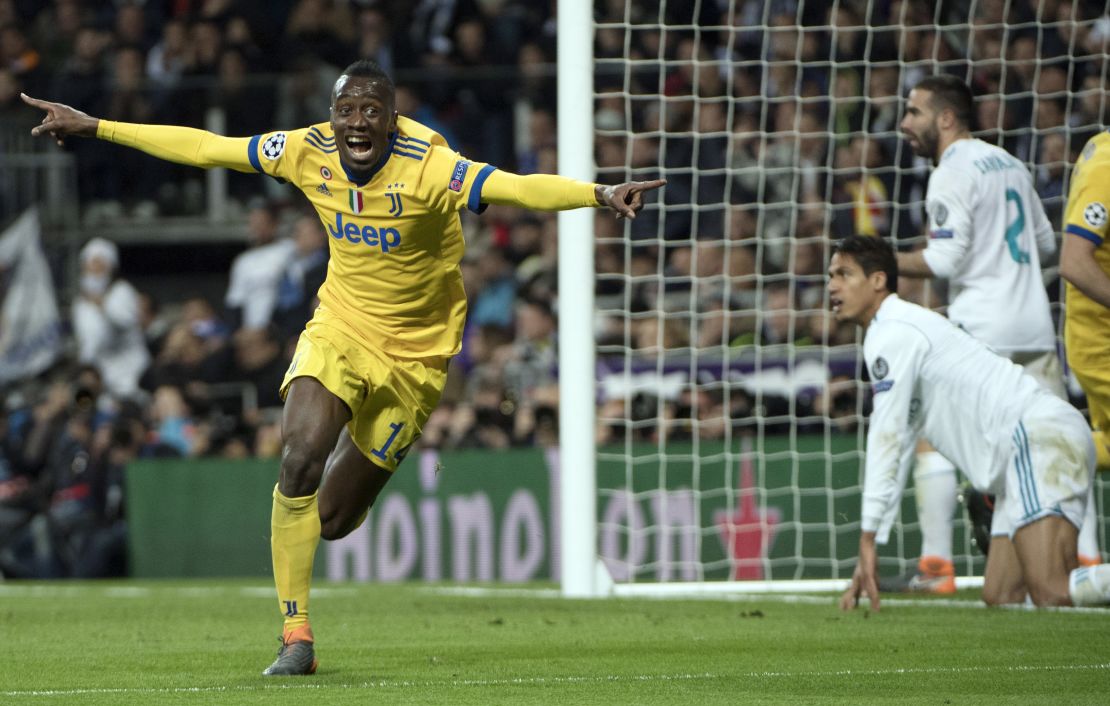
551	192
61	121
626	199
183	145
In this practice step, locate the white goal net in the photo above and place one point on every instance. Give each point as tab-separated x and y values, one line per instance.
729	411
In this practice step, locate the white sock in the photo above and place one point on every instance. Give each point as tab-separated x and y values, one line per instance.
1090	585
1088	534
934	479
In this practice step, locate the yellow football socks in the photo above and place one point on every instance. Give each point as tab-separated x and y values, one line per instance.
295	532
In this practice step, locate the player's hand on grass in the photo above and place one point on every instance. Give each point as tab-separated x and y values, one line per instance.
865	578
626	199
61	121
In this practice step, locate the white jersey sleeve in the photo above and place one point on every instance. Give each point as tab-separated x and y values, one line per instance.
894	352
1043	233
951	220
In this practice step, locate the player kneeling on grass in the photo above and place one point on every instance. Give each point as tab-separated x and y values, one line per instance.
1015	438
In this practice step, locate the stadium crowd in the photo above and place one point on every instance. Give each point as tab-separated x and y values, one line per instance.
772	141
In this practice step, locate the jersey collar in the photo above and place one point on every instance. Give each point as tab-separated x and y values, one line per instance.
951	149
886	304
377	167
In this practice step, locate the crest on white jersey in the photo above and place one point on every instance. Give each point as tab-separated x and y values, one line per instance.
1095	214
940	212
880	368
274	145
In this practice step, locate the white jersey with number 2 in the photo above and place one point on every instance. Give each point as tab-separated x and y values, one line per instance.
988	233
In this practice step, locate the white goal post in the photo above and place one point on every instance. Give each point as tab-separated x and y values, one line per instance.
712	415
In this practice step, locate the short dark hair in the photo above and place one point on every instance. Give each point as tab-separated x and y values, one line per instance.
873	255
950	93
368	68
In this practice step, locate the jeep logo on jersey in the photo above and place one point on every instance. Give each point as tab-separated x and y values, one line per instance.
385	238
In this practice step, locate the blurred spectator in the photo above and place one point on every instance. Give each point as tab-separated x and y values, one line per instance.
1049	176
173	431
131	24
532	361
323	28
106	321
101	550
484	102
255	273
861	197
16	117
260	361
374	38
429	27
55	30
21	59
248	106
138	175
80	83
409	104
301	279
494	289
59	496
192	350
167	60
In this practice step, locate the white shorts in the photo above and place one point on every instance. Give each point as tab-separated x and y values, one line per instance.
1044	367
1051	469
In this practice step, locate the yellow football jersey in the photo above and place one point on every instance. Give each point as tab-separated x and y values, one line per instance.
1086	321
396	238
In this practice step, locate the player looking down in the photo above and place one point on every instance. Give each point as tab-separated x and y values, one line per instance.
1011	436
371	364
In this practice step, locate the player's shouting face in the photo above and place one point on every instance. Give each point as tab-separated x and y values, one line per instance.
362	118
919	124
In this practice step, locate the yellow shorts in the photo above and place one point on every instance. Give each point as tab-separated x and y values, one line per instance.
1093	375
389	398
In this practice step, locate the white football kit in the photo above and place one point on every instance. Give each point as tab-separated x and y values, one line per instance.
1011	436
987	235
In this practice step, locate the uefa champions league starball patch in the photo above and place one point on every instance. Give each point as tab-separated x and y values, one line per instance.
1095	214
880	368
940	213
274	145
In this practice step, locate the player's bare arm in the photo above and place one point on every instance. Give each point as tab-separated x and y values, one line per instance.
1078	266
626	199
61	121
912	264
865	577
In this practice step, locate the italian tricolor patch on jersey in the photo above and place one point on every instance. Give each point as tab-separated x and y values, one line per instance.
357	203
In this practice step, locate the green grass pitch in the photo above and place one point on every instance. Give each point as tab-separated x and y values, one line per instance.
206	642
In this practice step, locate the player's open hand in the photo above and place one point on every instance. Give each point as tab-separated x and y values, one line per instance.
865	579
627	198
61	120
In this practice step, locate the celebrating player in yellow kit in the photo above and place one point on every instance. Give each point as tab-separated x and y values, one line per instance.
373	359
1085	264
